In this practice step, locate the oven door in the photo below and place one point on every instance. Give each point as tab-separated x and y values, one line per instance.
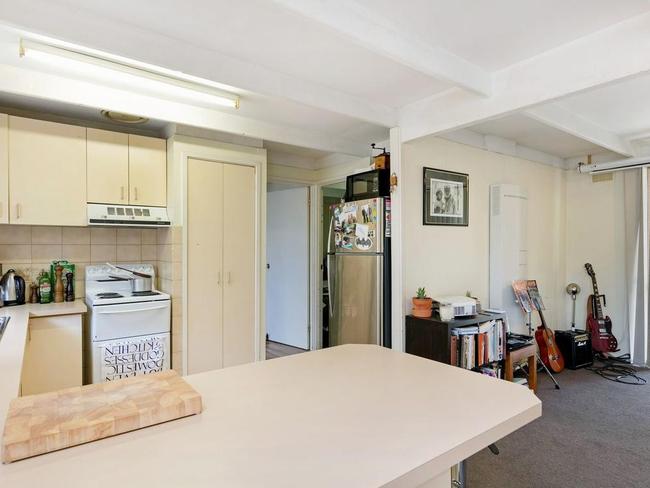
123	358
123	320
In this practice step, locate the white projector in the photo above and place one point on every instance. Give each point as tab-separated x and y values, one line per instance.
454	306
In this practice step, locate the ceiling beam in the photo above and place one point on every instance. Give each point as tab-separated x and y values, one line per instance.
556	116
606	56
34	84
379	35
58	21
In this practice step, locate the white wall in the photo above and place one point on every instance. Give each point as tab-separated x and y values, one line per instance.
453	260
596	234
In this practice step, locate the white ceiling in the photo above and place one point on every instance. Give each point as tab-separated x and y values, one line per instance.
497	33
348	69
530	133
622	107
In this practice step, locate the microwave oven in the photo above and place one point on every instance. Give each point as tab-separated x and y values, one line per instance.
369	184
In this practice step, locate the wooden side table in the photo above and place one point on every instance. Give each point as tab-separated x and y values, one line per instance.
517	355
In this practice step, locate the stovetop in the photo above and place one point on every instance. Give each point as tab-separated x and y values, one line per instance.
105	286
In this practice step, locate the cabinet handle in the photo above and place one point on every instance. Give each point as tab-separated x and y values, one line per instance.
122	193
18	209
136	193
218	278
228	280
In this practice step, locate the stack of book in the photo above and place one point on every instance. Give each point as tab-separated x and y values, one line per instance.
480	347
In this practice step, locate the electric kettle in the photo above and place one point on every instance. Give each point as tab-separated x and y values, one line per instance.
12	288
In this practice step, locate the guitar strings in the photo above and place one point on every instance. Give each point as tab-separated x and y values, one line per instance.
618	369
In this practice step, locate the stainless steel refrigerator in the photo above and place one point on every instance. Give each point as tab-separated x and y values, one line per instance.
358	273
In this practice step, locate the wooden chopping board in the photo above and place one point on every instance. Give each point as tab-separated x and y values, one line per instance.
37	424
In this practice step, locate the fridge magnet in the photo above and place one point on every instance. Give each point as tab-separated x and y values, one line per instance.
371	234
366	213
445	198
338	238
363	243
361	231
346	243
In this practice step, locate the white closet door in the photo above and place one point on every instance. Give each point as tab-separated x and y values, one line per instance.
204	265
239	264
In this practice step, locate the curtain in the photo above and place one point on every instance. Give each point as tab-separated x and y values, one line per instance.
635	267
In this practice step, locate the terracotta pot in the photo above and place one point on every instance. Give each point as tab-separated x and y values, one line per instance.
422	307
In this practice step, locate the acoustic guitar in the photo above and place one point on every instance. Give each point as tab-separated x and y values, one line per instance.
599	325
548	350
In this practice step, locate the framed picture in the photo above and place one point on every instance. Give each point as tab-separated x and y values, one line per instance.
445	198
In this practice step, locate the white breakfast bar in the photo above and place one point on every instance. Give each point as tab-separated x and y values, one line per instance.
350	416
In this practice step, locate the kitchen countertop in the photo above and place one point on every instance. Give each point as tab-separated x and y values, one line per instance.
12	343
355	415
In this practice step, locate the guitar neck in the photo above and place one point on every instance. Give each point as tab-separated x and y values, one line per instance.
598	308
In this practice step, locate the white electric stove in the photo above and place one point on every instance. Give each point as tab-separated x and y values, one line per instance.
128	333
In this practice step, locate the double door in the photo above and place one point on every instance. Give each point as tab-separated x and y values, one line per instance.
126	169
221	201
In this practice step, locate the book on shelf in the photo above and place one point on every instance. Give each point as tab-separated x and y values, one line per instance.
480	347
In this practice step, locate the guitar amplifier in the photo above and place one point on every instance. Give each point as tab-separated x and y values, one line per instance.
575	347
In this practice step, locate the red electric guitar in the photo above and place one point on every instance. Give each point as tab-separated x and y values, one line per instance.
548	350
598	325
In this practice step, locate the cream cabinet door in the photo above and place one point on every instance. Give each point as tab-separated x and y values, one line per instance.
204	265
239	243
53	354
47	173
147	171
4	169
108	167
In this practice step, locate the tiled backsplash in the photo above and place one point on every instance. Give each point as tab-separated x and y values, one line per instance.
28	249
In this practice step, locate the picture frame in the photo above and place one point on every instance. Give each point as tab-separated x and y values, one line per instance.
445	197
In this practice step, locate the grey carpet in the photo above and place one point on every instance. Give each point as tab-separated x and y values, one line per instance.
593	433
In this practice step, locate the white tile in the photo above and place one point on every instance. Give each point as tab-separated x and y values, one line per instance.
149	252
75	235
128	254
46	235
103	235
149	236
46	252
76	252
129	236
100	253
15	234
15	253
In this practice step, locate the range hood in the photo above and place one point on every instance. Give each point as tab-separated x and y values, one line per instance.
101	214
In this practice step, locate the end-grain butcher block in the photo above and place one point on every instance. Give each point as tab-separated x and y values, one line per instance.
48	422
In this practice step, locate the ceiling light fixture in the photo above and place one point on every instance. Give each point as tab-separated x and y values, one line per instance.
123	117
169	83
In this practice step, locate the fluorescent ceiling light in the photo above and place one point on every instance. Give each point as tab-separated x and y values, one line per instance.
149	79
623	164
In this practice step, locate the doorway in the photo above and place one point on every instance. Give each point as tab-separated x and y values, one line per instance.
287	278
331	194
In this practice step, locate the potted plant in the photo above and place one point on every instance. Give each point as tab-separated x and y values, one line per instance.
422	304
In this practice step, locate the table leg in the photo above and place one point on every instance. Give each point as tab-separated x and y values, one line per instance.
508	367
532	373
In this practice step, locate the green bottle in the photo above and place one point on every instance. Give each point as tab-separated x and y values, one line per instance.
45	287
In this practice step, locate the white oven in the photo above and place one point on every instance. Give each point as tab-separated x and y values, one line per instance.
127	334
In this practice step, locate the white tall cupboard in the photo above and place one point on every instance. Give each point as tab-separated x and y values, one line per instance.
220	265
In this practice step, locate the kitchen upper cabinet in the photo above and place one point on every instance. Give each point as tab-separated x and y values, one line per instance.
108	167
53	354
47	173
147	171
4	169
